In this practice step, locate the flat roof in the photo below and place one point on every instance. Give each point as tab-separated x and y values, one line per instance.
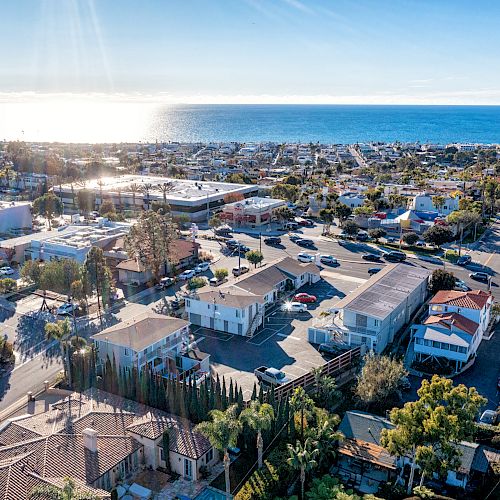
258	203
384	291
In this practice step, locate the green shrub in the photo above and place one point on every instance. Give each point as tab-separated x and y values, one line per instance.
270	481
7	285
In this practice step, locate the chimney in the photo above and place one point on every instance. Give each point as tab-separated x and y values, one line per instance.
90	439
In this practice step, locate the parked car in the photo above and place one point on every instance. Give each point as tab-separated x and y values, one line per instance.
371	257
65	309
304	298
223	230
391	239
164	283
216	282
272	240
186	275
461	285
464	260
305	257
404	384
294	307
271	376
117	295
232	243
243	248
178	303
6	271
420	243
202	267
295	237
489	417
290	226
362	236
329	259
395	256
238	271
306	223
479	276
304	242
374	270
330	349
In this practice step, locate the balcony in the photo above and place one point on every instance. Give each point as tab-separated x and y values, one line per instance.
335	325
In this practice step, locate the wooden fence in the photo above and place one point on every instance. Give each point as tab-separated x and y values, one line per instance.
342	368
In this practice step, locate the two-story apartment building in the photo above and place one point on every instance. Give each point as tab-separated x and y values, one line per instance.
427	202
239	308
454	328
376	311
150	341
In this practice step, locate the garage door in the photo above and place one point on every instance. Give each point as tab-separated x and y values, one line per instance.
195	319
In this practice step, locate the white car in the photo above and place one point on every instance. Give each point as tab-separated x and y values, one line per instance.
294	307
187	274
6	271
164	283
66	308
202	267
305	257
328	259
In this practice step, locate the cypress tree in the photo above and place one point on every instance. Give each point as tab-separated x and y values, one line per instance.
254	392
204	400
240	400
170	396
261	394
224	394
231	392
218	396
271	398
211	395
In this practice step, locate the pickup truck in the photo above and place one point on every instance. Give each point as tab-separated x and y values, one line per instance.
270	376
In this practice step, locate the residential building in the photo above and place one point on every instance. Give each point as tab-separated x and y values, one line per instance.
362	456
426	202
15	216
154	342
376	311
352	200
240	307
251	212
97	439
194	199
453	331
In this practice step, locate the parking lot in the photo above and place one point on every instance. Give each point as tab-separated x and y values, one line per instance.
282	343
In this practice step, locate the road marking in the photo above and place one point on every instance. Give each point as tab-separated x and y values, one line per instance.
343	277
284	335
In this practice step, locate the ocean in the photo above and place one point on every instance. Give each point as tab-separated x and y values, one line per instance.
148	122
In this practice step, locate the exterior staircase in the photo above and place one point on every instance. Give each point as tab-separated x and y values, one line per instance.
256	321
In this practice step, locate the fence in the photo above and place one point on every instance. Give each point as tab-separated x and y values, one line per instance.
342	368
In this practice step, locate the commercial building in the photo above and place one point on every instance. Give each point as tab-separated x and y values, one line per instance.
452	333
376	311
98	439
194	199
154	342
251	212
15	216
426	203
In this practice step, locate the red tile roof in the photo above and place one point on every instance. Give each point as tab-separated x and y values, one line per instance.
448	320
475	299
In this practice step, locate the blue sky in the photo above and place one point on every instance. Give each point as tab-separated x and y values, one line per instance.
335	51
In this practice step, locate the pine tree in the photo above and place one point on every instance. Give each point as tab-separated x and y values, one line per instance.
224	394
218	396
240	400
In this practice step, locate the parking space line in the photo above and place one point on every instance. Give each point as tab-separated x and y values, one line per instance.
284	335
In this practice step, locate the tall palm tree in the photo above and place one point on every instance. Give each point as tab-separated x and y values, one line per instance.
222	432
134	189
165	188
61	332
300	401
69	491
146	188
302	458
259	417
326	439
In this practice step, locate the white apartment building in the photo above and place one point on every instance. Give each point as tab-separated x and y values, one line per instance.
374	313
240	307
352	200
15	216
425	202
153	341
454	328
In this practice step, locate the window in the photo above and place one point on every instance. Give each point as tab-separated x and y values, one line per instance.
162	454
188	303
453	348
237	313
126	352
435	344
375	322
462	350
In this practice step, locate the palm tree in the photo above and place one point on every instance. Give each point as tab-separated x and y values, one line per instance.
302	458
165	188
222	432
326	439
61	331
134	189
259	417
300	401
146	188
69	491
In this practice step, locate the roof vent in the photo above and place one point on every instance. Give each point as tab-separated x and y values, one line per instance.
90	439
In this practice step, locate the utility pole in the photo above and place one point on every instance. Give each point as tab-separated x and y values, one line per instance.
239	255
460	241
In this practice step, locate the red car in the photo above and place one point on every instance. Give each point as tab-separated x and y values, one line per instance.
304	298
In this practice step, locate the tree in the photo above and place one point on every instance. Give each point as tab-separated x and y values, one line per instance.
302	458
379	378
327	215
254	257
350	228
377	233
150	239
287	192
98	276
284	214
438	235
428	430
60	331
397	200
107	207
197	282
165	442
69	491
438	202
326	391
301	402
7	285
214	222
32	272
221	273
464	218
166	188
342	211
48	206
259	417
410	238
330	488
365	210
222	431
325	439
441	280
85	200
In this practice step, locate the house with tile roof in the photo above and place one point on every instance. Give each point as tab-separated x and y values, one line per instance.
97	439
151	341
454	329
365	464
240	306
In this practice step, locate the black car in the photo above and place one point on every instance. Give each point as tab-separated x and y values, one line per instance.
243	249
484	277
374	270
232	243
371	257
464	260
295	237
395	256
303	242
272	240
